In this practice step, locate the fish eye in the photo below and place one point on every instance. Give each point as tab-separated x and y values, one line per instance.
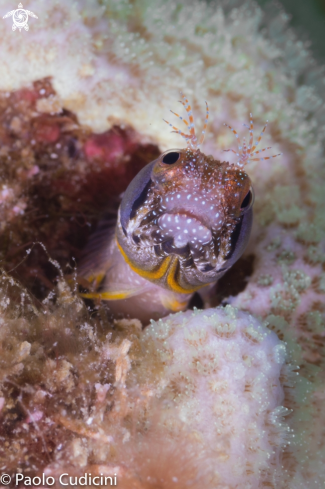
171	158
247	201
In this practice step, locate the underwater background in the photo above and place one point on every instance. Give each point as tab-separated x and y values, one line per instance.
231	396
307	18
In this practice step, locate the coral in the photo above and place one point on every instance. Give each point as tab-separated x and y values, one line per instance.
219	373
162	405
116	67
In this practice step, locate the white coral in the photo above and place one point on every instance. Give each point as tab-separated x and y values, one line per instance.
224	389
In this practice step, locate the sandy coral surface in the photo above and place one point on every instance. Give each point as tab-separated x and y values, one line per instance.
83	94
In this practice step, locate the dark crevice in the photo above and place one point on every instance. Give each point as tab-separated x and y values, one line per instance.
196	301
234	281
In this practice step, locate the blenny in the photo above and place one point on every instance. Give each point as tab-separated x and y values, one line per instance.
184	220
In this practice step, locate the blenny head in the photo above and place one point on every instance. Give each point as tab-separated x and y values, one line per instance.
186	217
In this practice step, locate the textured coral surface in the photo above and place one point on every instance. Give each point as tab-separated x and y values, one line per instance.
82	101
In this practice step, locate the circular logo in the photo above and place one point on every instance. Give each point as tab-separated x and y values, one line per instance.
20	17
5	479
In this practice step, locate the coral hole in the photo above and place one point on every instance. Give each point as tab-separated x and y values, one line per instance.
58	179
235	280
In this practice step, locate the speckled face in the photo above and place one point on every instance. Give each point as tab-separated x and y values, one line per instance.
185	219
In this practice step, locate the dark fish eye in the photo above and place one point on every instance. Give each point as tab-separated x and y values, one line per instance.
170	158
247	200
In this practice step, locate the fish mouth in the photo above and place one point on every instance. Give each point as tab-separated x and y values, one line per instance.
185	229
188	237
181	234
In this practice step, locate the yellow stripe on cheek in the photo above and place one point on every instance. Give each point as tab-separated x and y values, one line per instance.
168	265
173	285
150	275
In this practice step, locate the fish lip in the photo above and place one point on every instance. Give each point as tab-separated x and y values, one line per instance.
184	229
189	215
186	214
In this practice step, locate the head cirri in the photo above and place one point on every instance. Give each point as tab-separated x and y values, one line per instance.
186	218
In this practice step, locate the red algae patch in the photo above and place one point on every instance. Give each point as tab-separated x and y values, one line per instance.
57	180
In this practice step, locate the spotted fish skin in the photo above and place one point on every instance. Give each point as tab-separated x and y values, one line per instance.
182	232
184	220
